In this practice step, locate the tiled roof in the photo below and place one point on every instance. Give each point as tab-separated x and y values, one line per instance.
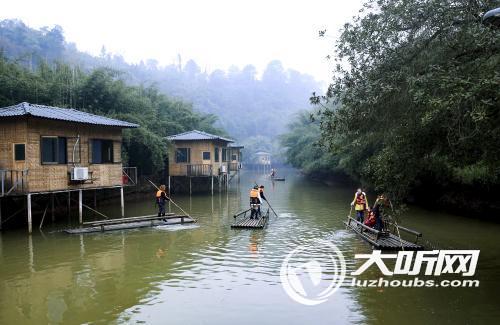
236	145
196	135
62	114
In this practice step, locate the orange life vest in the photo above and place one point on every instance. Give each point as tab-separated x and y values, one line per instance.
158	194
370	221
360	199
254	193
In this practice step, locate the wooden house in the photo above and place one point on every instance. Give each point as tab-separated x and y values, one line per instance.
263	161
201	154
47	149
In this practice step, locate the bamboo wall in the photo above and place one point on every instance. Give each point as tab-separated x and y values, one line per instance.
53	177
197	149
12	130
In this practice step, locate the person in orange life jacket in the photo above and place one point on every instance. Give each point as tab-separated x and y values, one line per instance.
360	204
255	201
371	220
161	197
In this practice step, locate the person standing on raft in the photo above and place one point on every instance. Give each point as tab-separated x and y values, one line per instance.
161	197
360	204
255	202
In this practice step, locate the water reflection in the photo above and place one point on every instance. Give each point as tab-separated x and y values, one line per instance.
211	273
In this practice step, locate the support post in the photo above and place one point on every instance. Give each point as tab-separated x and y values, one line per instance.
122	202
69	203
212	180
95	199
30	223
52	207
190	189
0	214
80	206
169	194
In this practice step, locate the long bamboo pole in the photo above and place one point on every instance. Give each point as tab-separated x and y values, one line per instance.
173	202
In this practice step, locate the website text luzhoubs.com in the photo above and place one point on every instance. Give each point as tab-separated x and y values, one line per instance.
414	283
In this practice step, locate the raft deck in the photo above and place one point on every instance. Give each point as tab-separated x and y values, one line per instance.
244	221
384	240
130	223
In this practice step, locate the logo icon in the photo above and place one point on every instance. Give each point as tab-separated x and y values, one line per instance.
312	273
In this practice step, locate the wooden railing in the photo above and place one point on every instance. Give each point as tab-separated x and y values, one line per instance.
364	229
397	229
13	182
129	176
199	170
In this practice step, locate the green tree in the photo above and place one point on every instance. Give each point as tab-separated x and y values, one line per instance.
417	83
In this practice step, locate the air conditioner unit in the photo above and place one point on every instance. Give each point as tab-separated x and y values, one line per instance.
79	173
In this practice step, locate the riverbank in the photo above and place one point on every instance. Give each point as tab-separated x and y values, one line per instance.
460	200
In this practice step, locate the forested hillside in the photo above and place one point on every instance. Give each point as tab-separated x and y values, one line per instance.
417	111
103	91
253	108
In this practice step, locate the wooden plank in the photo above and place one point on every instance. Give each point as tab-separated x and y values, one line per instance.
130	219
388	242
250	223
131	225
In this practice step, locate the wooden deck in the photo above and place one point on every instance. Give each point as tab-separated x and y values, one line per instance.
242	220
384	240
130	223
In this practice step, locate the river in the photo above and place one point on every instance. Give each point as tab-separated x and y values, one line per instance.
212	274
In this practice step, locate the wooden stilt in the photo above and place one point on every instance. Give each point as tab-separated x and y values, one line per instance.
169	193
190	189
52	207
30	221
212	181
0	214
80	206
95	199
122	202
69	203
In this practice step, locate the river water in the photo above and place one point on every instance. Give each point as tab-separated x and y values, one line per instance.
212	274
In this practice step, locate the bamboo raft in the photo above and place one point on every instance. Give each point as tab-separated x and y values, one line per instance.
246	222
385	240
130	223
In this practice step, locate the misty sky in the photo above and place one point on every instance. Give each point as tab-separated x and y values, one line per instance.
215	33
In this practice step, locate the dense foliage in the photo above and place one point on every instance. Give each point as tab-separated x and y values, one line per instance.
251	108
303	147
417	92
103	91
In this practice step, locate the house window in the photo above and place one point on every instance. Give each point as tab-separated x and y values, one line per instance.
54	150
234	157
19	151
183	155
206	155
216	154
102	151
224	154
